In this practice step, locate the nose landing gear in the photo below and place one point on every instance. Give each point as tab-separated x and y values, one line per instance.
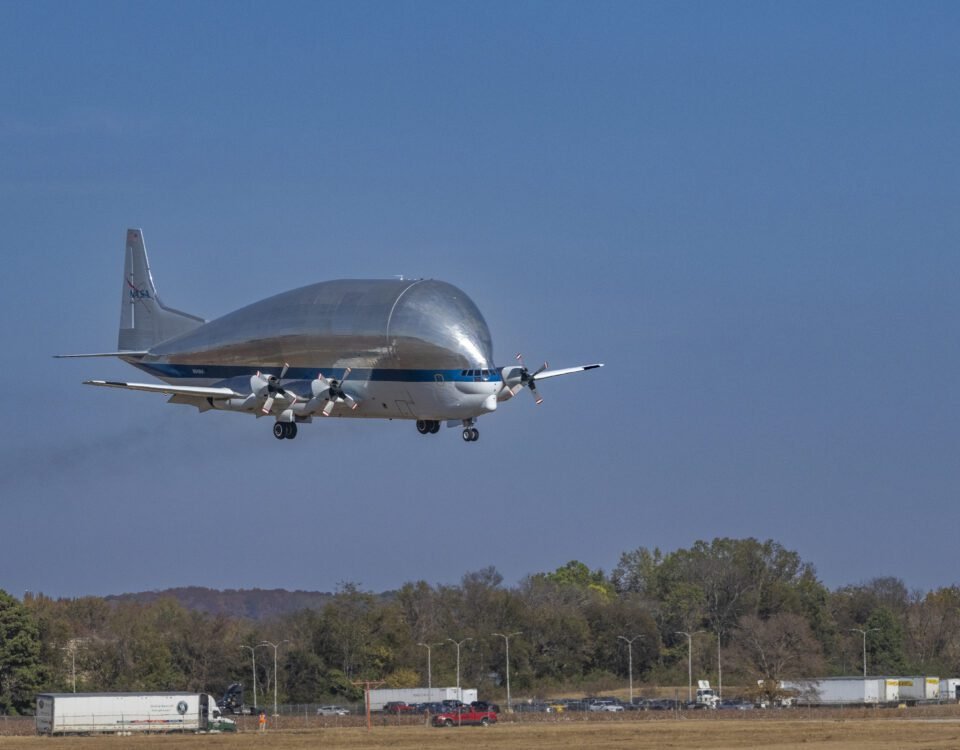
470	433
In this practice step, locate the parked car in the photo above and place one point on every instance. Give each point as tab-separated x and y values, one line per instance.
736	705
661	704
332	711
485	706
466	717
399	707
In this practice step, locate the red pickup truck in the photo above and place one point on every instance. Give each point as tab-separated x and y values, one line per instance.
467	717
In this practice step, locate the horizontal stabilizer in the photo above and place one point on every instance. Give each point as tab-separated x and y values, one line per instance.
566	371
132	354
172	390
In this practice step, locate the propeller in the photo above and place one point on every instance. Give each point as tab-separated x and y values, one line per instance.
269	385
524	378
330	390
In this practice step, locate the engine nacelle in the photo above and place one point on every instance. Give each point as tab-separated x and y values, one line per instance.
247	403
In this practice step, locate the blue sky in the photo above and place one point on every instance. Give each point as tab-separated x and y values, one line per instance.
747	210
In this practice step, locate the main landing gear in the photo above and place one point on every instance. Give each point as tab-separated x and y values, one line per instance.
428	426
283	430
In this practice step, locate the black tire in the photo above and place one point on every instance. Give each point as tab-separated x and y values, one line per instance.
474	435
484	722
448	723
291	430
468	435
279	430
434	427
423	426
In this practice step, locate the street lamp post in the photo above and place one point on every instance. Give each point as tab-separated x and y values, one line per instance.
275	647
506	639
253	662
72	648
73	664
458	644
689	662
864	634
719	670
630	652
428	647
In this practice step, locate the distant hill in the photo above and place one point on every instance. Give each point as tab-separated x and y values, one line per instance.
251	604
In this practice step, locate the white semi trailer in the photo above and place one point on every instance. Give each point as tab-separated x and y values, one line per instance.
838	691
845	691
103	713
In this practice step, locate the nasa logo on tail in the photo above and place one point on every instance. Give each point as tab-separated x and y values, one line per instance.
136	293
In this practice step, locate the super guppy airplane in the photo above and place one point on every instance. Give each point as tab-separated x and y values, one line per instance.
379	348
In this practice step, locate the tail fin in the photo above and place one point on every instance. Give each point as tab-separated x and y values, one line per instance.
144	321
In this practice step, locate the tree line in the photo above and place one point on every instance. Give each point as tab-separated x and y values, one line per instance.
752	608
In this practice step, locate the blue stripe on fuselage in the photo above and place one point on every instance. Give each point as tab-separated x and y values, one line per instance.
223	372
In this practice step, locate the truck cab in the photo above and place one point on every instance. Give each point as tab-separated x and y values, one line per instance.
215	721
706	697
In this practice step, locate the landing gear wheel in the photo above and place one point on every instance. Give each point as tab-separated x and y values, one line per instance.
471	434
291	430
434	427
423	426
280	432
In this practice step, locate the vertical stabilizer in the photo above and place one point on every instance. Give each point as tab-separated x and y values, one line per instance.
144	321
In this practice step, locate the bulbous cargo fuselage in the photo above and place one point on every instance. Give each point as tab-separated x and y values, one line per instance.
415	349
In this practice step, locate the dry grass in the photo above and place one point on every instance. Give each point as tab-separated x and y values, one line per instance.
825	730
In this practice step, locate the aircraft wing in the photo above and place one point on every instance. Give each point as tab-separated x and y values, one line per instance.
171	390
566	371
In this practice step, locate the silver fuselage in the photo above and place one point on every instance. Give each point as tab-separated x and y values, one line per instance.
416	349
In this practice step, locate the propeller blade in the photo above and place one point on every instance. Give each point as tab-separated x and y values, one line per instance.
351	400
536	395
346	373
268	404
328	408
542	368
283	372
